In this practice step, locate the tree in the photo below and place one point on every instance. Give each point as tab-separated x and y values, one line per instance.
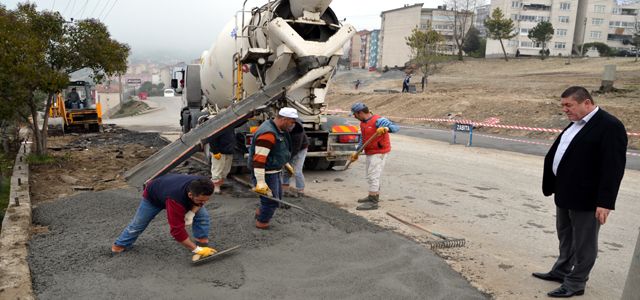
424	48
500	28
461	19
542	34
41	50
603	49
472	43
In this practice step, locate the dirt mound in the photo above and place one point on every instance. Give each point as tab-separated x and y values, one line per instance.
521	92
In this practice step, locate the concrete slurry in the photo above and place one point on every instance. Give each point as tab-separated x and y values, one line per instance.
341	256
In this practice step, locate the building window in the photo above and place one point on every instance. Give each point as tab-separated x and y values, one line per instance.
514	17
563	19
599	8
516	4
524	31
513	43
565	6
616	11
597	21
596	34
561	32
526	44
560	45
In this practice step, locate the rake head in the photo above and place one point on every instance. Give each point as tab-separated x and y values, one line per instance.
450	243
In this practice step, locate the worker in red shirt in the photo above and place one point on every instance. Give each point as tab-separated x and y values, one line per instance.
178	194
377	151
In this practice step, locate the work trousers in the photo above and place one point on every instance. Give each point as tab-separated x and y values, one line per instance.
375	164
268	207
578	237
298	163
220	168
147	211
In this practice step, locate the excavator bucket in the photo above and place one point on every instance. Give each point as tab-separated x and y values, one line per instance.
188	144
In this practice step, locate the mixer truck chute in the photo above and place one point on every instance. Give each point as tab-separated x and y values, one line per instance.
281	54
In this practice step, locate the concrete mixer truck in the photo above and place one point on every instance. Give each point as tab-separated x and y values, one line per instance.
281	54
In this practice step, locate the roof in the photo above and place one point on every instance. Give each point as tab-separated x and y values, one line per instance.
401	8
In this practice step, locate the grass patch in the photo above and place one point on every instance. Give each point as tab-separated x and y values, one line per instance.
36	159
130	108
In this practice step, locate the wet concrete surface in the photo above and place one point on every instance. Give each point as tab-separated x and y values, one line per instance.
339	256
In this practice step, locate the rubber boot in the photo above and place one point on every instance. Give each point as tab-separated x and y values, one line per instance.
365	199
203	242
261	225
371	204
216	189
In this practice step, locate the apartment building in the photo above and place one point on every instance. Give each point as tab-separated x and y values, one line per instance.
482	13
575	23
609	22
359	50
397	25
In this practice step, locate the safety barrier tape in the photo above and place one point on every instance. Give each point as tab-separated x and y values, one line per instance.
475	123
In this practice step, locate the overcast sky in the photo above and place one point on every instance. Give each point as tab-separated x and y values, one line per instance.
182	29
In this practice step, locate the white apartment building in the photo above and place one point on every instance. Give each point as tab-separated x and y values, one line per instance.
609	22
397	25
575	22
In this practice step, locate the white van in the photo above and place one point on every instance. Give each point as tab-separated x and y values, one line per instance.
169	93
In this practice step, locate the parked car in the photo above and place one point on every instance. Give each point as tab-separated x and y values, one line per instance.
626	52
169	93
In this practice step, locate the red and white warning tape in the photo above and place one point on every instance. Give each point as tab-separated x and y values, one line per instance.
491	122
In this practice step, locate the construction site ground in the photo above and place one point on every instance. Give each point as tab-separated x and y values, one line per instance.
523	92
338	255
489	197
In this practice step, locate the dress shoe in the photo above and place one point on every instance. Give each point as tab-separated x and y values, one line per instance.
563	292
548	277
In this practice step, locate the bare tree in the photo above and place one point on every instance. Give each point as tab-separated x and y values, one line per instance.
461	17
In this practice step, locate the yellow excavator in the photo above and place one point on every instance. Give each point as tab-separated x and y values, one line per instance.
75	109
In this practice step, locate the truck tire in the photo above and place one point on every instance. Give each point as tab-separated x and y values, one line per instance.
317	163
185	120
193	88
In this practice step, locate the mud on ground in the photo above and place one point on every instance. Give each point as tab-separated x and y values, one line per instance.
95	160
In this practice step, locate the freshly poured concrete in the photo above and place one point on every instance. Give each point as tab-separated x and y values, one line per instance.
301	257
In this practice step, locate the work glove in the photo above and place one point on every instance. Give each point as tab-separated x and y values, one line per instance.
188	218
204	251
289	168
262	188
382	130
354	157
217	156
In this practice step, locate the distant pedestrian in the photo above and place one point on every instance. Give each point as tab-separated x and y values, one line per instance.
268	154
405	84
178	194
221	149
424	82
299	146
357	84
583	170
377	151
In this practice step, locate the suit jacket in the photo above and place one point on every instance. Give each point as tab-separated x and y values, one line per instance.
591	169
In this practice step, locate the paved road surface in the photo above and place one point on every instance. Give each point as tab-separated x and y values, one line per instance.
493	199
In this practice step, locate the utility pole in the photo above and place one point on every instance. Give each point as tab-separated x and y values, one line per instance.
584	34
632	286
120	87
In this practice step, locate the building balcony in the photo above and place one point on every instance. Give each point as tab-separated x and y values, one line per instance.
538	7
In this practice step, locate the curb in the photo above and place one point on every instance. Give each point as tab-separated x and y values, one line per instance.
16	230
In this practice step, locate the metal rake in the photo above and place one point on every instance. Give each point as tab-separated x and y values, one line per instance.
445	242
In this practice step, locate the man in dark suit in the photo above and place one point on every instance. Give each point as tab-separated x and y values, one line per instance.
583	171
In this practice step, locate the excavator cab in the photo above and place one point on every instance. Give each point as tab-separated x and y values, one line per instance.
77	95
76	108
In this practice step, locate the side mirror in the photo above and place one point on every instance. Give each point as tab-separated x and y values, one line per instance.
174	83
